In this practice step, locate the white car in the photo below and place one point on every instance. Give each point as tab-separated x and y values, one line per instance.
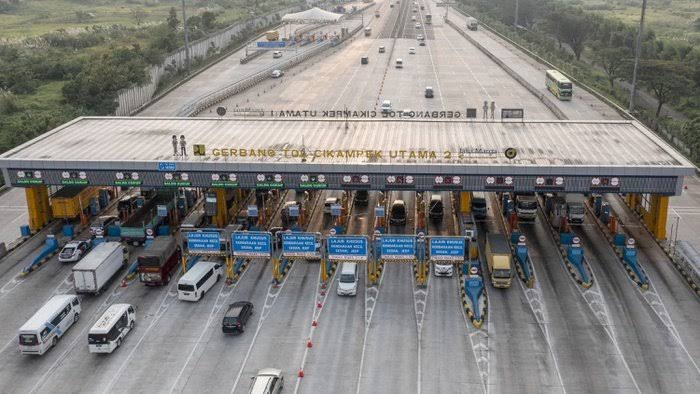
276	54
411	51
327	204
419	37
277	73
73	251
267	381
417	25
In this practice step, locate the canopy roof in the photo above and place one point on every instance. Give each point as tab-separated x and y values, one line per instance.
312	15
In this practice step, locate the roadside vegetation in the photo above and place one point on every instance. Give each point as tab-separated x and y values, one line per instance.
64	58
592	42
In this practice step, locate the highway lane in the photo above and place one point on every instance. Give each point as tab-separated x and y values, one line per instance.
656	361
579	341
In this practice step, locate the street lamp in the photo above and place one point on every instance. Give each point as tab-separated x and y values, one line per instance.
187	38
638	49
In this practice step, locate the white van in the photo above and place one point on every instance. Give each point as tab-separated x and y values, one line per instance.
399	63
43	330
110	329
327	205
347	283
198	280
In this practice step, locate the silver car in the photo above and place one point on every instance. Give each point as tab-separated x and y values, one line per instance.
267	381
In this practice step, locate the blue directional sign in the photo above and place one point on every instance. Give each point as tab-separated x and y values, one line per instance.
398	247
447	248
251	244
299	245
347	247
271	44
202	242
166	166
379	212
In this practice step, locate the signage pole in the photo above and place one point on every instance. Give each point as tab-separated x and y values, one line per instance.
324	271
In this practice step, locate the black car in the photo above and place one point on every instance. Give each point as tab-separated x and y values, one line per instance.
361	198
364	60
236	317
397	215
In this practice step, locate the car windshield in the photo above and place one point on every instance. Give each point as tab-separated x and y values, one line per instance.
347	278
399	211
528	204
185	287
68	250
565	86
501	273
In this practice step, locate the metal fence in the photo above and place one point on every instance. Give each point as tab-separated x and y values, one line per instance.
132	99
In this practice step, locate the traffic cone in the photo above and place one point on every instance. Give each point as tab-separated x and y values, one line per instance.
123	283
318	305
314	323
301	373
323	293
309	344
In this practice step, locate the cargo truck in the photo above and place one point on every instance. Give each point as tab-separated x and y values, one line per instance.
272	35
526	206
156	263
70	201
575	209
145	220
498	256
92	273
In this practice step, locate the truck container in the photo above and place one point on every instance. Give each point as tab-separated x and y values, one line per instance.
70	201
575	209
146	218
498	256
156	263
99	266
526	206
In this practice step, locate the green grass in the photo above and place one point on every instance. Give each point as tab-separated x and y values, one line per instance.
47	96
36	17
670	19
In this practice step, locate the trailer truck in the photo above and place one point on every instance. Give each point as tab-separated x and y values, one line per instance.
146	218
575	209
156	263
99	266
498	257
70	201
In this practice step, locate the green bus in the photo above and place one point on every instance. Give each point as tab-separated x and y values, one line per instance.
559	85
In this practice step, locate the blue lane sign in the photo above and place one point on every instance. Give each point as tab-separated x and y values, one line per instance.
252	211
398	247
299	245
379	212
347	247
250	244
293	211
271	44
447	248
166	166
203	242
335	209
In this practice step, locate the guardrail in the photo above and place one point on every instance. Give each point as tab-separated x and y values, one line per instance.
687	261
206	100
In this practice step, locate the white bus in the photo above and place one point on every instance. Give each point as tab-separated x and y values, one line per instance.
110	329
198	280
43	330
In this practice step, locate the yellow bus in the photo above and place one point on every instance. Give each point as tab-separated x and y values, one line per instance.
559	85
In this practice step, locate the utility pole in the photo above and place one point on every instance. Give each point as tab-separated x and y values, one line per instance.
515	19
187	38
637	53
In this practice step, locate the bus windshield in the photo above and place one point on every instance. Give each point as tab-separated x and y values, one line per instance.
565	85
28	339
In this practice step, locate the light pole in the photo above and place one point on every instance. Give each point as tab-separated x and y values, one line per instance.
515	19
638	49
187	39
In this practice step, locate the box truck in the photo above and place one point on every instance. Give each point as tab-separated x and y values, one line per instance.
99	266
498	256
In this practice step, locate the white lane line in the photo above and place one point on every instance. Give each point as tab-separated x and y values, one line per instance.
212	314
316	315
274	295
162	308
419	322
19	217
437	79
368	321
470	332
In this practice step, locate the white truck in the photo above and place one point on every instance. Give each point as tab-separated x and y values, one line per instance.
575	210
98	267
526	206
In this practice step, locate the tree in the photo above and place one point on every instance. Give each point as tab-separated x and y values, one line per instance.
208	20
173	22
138	14
666	80
95	88
612	60
575	30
